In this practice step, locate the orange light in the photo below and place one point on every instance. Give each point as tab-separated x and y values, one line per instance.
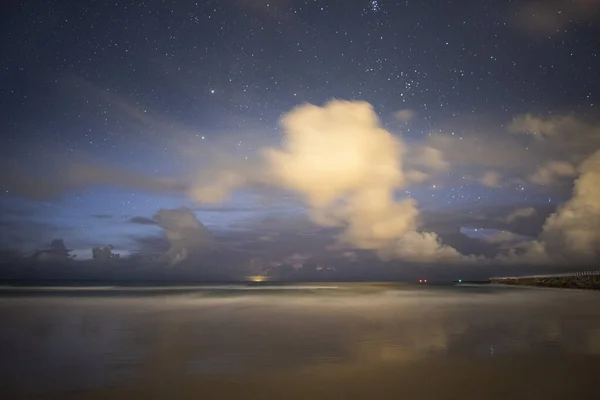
257	278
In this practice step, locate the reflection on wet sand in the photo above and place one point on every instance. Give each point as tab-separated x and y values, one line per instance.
351	343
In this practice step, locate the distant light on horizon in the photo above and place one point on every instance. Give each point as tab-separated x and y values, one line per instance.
257	278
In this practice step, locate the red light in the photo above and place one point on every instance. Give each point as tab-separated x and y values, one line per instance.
420	280
425	280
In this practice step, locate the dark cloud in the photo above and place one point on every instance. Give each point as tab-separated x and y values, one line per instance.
26	234
276	246
58	178
17	211
8	255
58	244
84	174
142	221
151	245
497	217
104	254
19	180
187	237
277	223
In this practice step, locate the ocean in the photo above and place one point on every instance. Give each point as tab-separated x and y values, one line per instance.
301	341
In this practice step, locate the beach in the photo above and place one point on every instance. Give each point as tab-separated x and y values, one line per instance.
299	341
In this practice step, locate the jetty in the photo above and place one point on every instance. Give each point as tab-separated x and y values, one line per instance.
573	280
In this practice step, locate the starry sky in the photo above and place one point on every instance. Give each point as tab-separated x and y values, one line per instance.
262	128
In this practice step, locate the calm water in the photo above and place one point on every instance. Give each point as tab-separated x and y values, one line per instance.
332	342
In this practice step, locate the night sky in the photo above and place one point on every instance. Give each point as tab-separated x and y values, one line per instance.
275	132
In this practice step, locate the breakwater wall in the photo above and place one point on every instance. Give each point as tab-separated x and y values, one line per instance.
572	280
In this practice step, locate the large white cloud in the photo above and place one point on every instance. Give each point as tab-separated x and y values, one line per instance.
334	150
347	169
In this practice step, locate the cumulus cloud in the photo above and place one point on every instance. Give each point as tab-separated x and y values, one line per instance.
541	150
104	254
535	140
572	233
520	213
491	179
550	172
404	115
574	230
186	235
347	169
334	150
527	252
423	247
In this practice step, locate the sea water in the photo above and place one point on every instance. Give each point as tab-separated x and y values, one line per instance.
309	341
